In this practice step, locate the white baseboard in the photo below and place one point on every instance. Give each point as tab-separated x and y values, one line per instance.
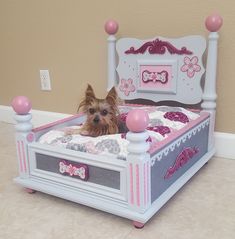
225	145
224	142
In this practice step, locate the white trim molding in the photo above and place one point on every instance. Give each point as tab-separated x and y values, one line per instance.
38	117
224	142
225	145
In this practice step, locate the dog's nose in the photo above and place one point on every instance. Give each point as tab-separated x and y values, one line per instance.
96	119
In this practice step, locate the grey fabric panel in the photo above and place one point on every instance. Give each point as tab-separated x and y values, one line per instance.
101	176
158	171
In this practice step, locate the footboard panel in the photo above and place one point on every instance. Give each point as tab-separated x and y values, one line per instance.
176	158
80	171
102	176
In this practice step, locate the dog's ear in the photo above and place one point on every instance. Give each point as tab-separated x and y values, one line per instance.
89	97
90	92
112	96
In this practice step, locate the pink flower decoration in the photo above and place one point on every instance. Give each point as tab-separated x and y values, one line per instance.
176	116
123	117
30	137
190	66
127	86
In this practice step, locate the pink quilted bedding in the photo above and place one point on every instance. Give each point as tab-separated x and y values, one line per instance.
164	122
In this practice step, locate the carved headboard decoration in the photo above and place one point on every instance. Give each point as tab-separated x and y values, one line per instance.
161	69
158	47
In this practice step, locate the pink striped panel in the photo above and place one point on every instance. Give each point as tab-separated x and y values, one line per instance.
20	156
148	179
131	184
137	185
145	184
24	157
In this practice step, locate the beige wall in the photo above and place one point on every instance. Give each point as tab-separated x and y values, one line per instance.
67	37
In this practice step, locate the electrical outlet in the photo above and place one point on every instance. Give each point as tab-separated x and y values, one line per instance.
45	80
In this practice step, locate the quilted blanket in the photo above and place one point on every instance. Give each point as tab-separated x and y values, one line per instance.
164	120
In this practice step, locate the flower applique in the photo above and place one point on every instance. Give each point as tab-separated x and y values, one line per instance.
123	117
163	130
127	86
176	116
190	66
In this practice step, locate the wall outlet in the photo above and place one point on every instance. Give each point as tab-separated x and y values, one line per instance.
45	80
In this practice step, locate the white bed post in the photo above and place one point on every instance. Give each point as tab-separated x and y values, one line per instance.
138	162
213	24
22	106
111	27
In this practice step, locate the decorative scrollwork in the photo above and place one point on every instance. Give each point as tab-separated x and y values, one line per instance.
159	47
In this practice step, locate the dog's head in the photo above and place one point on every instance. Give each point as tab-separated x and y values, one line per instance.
101	113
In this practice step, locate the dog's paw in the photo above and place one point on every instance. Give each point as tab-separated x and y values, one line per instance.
84	133
70	131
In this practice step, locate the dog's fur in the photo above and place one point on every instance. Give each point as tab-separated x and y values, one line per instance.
102	114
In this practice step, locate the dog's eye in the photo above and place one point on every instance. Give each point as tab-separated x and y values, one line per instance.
91	111
104	112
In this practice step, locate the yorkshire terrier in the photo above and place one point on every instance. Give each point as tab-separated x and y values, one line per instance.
102	114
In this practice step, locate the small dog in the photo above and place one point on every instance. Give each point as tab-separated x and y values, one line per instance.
102	114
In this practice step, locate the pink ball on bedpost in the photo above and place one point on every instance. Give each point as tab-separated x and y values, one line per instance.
137	120
21	105
214	22
111	27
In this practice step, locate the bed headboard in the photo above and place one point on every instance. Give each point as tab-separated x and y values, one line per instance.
161	69
164	69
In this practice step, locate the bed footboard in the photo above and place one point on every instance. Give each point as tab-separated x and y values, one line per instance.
124	188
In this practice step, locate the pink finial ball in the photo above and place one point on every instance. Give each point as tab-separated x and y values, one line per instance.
21	105
214	22
137	120
111	27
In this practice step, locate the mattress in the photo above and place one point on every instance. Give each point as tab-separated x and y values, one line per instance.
166	124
